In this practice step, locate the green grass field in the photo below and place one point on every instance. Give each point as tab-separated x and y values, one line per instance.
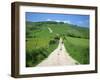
78	49
40	42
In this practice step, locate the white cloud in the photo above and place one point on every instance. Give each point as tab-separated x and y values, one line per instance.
67	21
82	22
49	20
57	20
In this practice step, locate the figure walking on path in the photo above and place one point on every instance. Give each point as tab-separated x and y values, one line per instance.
61	44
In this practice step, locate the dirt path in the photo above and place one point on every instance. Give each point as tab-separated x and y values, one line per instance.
58	57
50	30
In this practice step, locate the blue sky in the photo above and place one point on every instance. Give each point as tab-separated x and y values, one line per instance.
80	20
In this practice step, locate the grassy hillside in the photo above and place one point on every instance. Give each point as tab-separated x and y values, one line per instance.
78	49
40	42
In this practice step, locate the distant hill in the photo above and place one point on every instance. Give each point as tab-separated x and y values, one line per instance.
71	30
